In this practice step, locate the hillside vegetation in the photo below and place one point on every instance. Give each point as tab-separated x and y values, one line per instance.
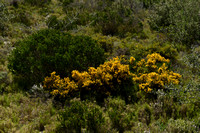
99	66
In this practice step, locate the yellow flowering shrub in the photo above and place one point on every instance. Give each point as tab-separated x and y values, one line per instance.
115	78
152	73
59	86
103	79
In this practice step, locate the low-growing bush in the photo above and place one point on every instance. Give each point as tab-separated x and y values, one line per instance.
144	114
66	2
149	3
111	78
179	19
122	116
20	15
50	50
39	3
180	125
141	50
114	17
53	23
4	18
152	73
19	113
81	116
114	78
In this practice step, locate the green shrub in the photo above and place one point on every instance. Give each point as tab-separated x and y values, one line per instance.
197	121
144	114
53	23
95	118
19	113
119	18
39	3
4	18
121	115
66	2
181	126
73	117
149	3
21	16
50	50
164	49
179	19
165	106
79	116
4	82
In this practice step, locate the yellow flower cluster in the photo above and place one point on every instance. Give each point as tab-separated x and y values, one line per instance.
104	75
150	73
132	59
152	59
150	76
59	86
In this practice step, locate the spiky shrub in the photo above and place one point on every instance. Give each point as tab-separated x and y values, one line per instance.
53	23
21	16
113	17
4	17
50	50
144	114
152	73
122	116
110	78
149	3
179	19
39	3
114	78
66	2
181	125
79	116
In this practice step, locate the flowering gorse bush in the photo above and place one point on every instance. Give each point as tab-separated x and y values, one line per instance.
106	79
152	73
115	78
59	86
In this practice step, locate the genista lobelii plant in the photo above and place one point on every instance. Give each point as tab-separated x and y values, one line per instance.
110	78
152	73
114	78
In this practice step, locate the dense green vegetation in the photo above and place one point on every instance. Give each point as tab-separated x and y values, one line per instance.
100	66
50	50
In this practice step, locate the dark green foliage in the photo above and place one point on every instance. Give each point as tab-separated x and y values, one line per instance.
54	23
149	3
66	2
121	115
109	17
95	117
4	17
17	110
179	19
119	18
192	60
181	126
21	16
4	82
79	116
144	114
49	50
70	22
73	117
39	3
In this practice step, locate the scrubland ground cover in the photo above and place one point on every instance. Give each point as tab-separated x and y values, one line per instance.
100	66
